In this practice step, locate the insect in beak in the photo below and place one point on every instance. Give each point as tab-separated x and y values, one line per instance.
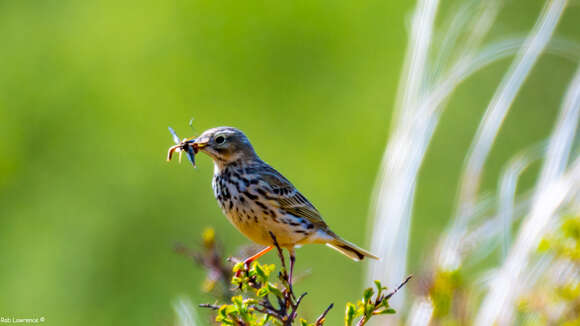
186	145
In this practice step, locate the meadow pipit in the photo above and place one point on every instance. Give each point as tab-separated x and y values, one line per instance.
259	201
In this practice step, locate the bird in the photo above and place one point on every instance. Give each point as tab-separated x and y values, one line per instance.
263	204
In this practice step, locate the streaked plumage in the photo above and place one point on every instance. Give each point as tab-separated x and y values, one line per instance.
258	200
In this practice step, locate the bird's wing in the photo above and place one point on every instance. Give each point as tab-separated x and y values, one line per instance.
288	197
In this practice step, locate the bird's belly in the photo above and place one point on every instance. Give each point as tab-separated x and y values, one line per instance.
257	227
255	216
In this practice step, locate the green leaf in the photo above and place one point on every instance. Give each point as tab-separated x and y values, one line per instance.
274	290
350	314
380	288
238	301
236	280
367	294
238	267
378	285
260	273
385	311
369	308
384	303
263	291
222	311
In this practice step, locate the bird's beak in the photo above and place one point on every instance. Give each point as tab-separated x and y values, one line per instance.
201	142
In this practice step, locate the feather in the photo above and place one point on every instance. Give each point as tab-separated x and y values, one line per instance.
287	197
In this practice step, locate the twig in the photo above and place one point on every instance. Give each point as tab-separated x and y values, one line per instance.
320	320
388	296
270	312
284	270
294	312
212	260
210	306
378	303
280	253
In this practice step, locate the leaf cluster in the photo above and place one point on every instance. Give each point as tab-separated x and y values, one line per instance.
368	307
565	243
556	298
261	301
260	296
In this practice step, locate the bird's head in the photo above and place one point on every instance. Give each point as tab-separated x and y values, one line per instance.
225	145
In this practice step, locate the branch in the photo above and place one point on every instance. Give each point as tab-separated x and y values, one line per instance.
388	296
320	320
210	306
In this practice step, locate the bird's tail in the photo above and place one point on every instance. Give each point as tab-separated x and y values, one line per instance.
349	249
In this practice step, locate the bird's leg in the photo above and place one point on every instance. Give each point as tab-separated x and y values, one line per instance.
249	260
292	260
292	255
264	251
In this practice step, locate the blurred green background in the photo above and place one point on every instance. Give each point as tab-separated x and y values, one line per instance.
89	209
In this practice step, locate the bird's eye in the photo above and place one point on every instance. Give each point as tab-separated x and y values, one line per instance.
220	139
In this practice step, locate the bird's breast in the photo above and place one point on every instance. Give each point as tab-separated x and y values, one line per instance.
244	200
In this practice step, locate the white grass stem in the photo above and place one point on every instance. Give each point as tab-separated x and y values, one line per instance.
186	313
501	102
394	192
494	117
421	312
508	187
483	239
395	186
455	27
416	116
415	67
497	306
563	136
